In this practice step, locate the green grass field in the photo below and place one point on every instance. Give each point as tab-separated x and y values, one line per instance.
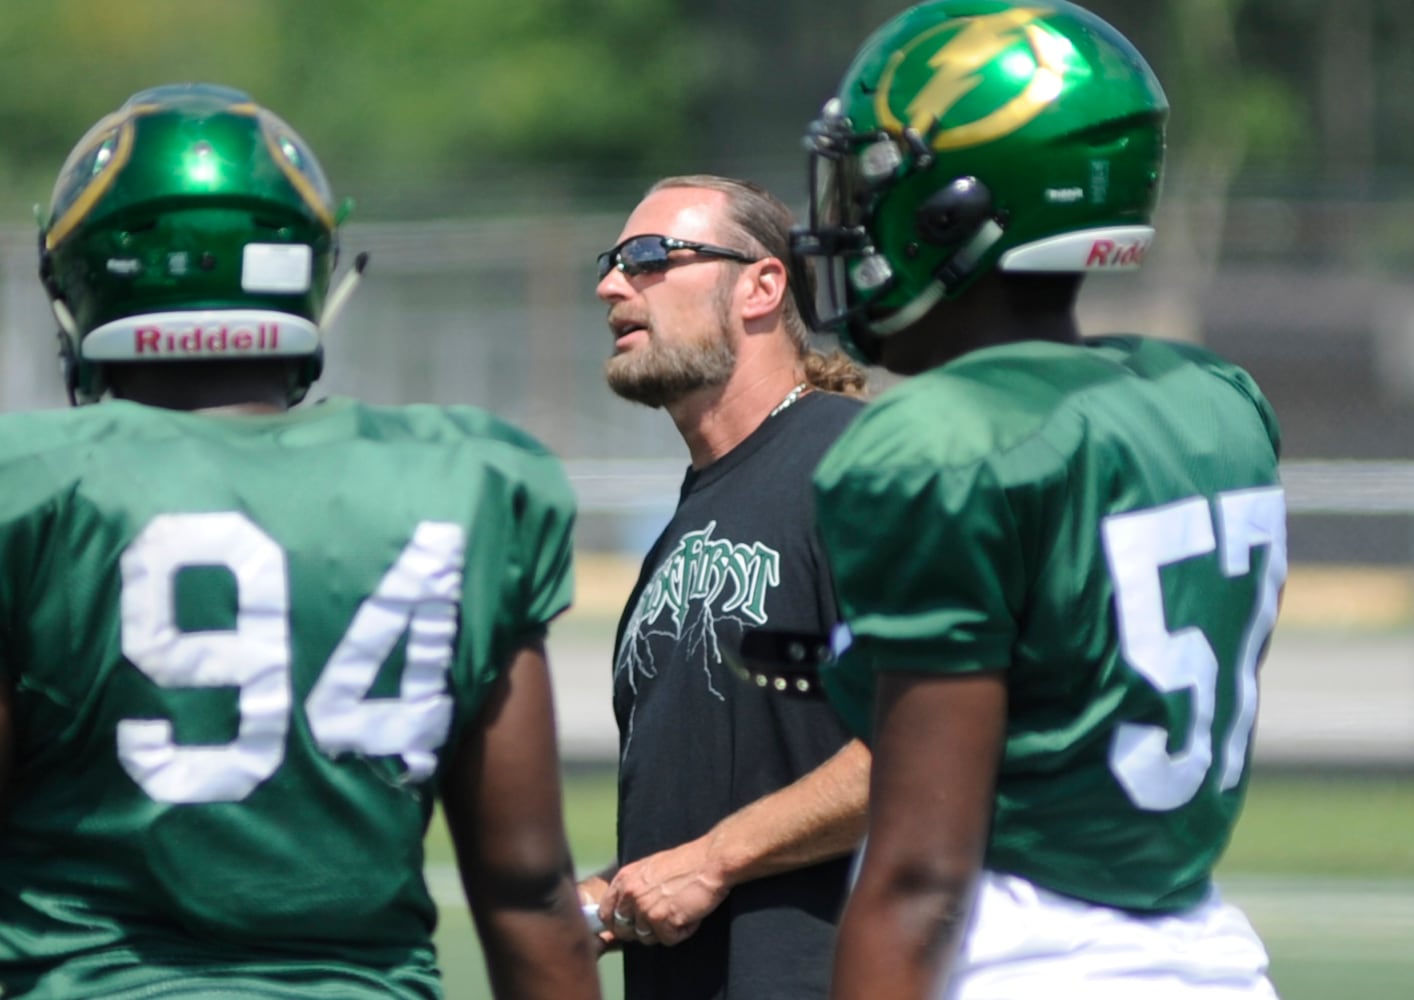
1323	865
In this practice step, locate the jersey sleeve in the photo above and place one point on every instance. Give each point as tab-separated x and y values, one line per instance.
519	570
544	524
28	443
1248	387
1241	380
927	567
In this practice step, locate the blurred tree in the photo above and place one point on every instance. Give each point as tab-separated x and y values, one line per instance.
402	101
775	65
468	105
64	64
1207	143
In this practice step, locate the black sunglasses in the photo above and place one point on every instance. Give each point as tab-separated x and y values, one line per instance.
651	254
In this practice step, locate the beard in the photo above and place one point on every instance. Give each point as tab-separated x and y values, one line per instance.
663	372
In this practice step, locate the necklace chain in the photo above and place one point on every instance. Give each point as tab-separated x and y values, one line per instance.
791	397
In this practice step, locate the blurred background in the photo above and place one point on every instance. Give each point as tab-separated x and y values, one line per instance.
492	149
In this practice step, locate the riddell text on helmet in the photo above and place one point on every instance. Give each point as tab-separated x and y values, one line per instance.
1108	253
262	338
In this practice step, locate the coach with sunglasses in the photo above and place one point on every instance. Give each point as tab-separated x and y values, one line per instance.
738	809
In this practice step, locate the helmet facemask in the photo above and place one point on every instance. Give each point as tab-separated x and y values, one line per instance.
854	176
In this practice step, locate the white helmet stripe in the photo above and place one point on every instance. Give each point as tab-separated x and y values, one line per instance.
189	335
1108	248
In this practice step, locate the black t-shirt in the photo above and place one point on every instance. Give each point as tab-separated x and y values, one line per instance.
696	742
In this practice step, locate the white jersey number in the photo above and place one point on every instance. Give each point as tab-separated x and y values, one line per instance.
1137	547
419	596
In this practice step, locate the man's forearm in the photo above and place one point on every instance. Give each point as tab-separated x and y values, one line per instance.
821	815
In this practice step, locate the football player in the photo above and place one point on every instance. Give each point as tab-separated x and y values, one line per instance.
246	648
1058	559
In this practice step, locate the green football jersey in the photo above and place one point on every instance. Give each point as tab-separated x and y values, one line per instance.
1105	523
241	648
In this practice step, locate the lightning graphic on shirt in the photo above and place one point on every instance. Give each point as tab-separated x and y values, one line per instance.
704	584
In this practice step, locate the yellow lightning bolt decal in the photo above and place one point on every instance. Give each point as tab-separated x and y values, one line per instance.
120	121
956	72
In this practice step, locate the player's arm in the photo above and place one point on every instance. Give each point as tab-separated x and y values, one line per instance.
938	741
503	804
819	816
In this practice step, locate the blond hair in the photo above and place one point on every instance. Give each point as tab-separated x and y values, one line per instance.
760	219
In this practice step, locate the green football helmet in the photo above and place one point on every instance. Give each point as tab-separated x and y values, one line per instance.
190	224
973	134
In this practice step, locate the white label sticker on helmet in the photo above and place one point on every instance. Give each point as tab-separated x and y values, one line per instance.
1109	248
276	268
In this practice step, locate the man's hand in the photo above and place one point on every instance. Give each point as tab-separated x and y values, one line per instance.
592	890
663	898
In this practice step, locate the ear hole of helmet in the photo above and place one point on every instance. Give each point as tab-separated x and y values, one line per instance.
952	215
961	219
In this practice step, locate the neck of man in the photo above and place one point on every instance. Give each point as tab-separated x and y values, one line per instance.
236	387
715	419
999	309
